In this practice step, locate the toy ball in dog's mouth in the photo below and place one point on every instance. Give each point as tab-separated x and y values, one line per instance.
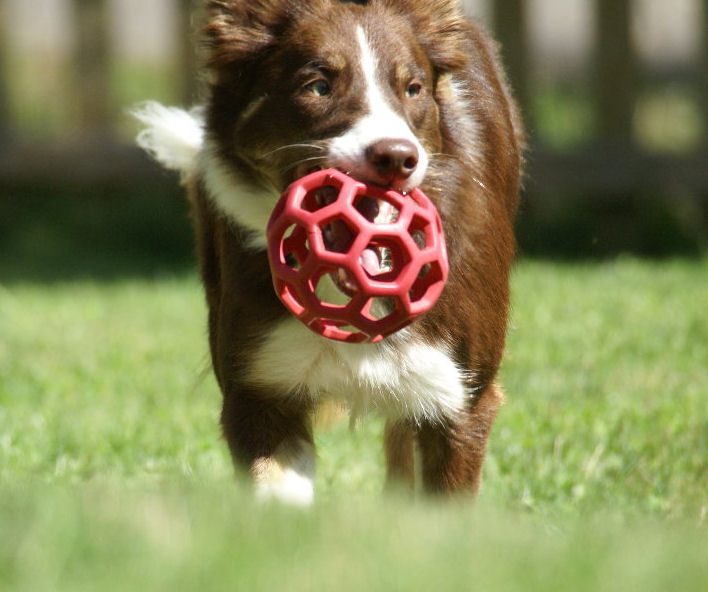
353	261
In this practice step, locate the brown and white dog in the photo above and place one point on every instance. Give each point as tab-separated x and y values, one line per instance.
402	93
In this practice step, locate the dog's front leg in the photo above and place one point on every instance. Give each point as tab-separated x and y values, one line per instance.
272	440
452	451
399	447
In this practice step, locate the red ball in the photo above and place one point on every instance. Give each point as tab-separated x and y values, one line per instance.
383	251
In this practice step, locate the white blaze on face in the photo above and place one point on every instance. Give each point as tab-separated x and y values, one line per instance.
348	151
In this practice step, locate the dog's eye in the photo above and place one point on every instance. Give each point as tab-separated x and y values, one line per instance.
319	88
413	90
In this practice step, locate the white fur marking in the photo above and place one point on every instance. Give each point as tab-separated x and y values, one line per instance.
467	129
176	139
235	199
288	476
171	135
402	379
251	109
381	121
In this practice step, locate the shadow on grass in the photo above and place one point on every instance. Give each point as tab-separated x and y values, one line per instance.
110	231
596	227
105	232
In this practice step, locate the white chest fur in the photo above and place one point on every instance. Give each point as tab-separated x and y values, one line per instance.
397	377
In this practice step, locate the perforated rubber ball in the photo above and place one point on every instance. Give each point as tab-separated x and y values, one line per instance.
355	262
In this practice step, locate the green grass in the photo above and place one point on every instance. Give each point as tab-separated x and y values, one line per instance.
113	475
608	389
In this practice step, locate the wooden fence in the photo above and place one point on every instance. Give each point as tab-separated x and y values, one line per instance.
611	163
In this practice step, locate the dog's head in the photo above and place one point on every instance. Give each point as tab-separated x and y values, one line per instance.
300	85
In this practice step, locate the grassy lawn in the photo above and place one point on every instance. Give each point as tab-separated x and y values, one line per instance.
113	475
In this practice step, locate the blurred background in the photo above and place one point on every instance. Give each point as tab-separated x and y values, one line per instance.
615	96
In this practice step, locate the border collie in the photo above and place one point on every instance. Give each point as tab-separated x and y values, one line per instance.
401	93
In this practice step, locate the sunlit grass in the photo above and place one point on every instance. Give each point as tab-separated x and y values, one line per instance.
113	475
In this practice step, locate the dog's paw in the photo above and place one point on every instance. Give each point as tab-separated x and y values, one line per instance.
287	476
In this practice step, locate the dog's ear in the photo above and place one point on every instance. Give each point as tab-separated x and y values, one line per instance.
239	29
443	30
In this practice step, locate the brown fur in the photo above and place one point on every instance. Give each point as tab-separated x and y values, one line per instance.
475	188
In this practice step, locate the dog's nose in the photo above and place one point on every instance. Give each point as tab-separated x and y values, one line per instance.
394	160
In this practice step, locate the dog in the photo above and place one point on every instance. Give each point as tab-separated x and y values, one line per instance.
400	93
